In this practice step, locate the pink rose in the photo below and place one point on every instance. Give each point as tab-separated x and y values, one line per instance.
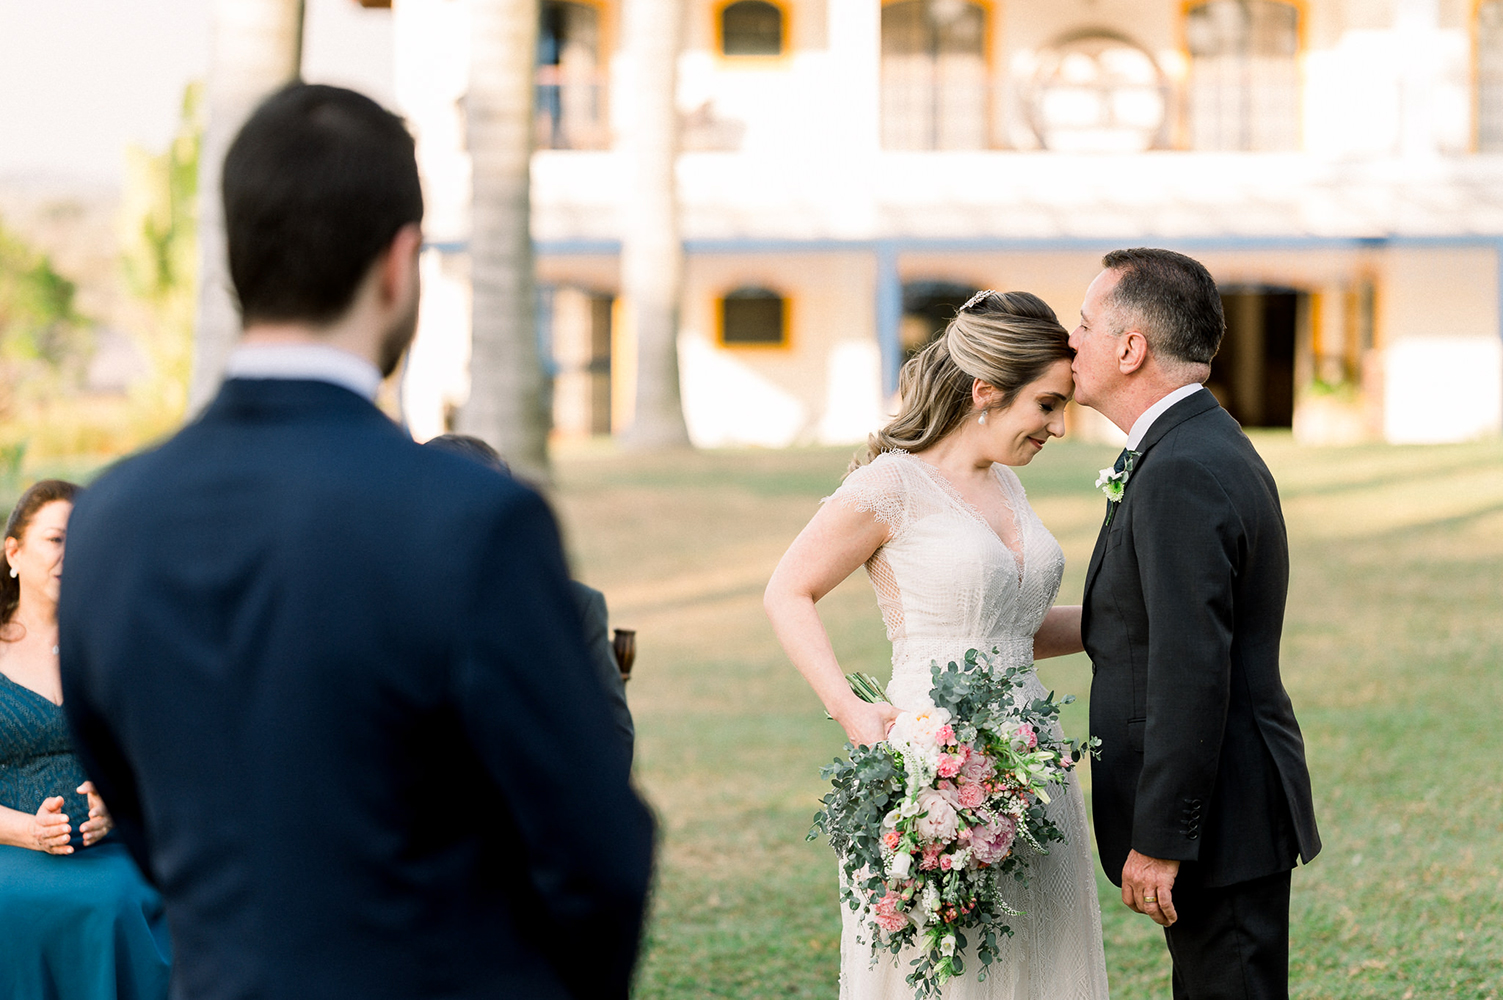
978	767
945	736
889	913
930	860
939	821
890	840
971	796
947	862
949	765
1028	736
992	842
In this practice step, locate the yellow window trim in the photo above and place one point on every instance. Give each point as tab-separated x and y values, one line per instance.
1179	133
785	345
717	31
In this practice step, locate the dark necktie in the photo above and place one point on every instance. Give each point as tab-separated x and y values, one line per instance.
1121	462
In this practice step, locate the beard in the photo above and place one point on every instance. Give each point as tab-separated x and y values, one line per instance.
397	338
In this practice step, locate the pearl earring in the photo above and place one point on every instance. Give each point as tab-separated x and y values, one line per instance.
12	572
980	420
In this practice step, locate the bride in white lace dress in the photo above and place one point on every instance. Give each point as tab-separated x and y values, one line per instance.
959	560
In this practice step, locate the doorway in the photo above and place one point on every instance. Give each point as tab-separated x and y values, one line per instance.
928	307
1253	373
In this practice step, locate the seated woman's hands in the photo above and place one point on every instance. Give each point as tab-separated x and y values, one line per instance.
99	823
50	829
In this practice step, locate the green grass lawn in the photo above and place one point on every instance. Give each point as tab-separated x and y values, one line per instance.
1393	655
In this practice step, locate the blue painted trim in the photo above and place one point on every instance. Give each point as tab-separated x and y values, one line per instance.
889	315
542	325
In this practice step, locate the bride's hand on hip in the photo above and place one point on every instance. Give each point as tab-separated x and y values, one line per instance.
866	724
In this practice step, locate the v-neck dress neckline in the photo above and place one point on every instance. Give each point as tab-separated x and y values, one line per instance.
29	690
1020	554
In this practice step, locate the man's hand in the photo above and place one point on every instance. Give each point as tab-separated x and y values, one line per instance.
1147	886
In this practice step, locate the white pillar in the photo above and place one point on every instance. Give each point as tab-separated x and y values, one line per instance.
257	48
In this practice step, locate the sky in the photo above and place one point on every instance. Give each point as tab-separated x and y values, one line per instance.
82	79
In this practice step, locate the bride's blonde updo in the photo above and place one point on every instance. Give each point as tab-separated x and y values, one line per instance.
1006	339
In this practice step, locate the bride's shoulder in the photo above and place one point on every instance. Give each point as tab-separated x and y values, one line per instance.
881	484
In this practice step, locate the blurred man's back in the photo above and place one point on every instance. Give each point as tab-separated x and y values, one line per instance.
358	760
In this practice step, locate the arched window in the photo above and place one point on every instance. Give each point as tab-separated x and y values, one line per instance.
570	85
934	75
753	317
1490	76
1244	75
1098	92
751	28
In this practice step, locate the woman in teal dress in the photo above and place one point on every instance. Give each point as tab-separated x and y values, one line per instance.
77	920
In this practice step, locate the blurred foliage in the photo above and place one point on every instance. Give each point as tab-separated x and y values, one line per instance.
42	337
159	258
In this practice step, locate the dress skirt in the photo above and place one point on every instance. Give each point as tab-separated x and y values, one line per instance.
84	926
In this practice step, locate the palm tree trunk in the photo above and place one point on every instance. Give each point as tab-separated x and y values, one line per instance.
258	47
507	385
652	254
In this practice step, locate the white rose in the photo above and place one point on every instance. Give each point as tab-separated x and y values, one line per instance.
925	727
902	864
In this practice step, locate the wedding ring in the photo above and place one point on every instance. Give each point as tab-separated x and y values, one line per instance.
1150	899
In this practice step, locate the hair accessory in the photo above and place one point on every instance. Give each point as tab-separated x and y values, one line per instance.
975	299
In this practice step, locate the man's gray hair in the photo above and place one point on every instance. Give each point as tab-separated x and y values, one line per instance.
1171	299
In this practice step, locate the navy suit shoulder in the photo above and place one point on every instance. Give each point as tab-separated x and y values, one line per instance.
320	673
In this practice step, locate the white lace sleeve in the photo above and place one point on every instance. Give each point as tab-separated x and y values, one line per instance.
878	489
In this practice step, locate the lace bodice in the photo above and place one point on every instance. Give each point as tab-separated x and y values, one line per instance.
945	580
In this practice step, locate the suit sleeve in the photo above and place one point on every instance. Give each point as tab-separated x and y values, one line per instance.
596	620
540	723
98	751
1185	534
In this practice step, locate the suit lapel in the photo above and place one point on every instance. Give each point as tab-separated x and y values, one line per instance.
1096	554
1191	406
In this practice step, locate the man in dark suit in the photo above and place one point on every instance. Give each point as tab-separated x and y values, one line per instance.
1201	794
589	602
331	683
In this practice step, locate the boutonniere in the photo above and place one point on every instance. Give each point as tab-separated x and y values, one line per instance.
1114	483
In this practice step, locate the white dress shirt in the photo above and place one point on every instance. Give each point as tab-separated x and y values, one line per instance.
313	362
1141	426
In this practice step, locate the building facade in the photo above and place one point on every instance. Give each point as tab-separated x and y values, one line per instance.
852	170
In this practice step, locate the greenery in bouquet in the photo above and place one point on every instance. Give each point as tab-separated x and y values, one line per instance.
933	825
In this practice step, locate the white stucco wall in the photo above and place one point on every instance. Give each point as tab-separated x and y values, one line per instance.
823	388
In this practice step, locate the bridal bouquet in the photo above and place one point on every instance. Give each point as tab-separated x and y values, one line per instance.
927	824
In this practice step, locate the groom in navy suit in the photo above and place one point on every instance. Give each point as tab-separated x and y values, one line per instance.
333	684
